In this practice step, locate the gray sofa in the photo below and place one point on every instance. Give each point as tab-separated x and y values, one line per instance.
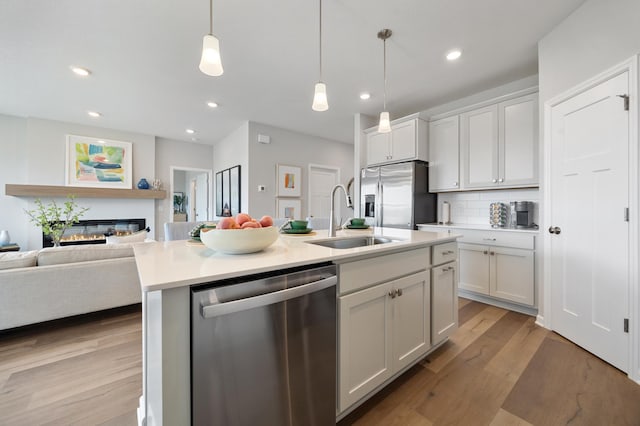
58	282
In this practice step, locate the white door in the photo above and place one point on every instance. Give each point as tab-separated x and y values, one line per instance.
202	197
589	190
322	179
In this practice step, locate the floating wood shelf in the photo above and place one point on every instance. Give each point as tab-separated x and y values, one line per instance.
79	192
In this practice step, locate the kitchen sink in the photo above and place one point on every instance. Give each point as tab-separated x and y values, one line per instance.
347	243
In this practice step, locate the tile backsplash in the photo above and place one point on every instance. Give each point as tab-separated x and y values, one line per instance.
472	207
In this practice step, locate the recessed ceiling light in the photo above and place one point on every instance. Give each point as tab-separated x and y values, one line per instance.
82	72
94	114
194	139
190	131
212	105
364	96
453	55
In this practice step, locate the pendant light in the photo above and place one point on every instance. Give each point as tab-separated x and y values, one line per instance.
211	62
384	126
320	96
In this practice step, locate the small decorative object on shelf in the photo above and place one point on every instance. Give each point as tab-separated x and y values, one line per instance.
54	220
143	184
4	238
156	184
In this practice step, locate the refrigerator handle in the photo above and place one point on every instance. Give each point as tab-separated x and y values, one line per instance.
379	218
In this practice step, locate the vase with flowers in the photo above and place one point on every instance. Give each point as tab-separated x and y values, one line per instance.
55	219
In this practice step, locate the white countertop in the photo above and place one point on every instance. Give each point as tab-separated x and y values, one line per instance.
479	227
171	264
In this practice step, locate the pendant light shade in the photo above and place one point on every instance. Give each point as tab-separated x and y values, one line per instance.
320	98
384	126
211	61
320	102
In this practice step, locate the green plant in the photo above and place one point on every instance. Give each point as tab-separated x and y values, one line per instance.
178	201
54	219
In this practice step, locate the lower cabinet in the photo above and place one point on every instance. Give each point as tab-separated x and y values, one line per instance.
444	301
382	329
505	273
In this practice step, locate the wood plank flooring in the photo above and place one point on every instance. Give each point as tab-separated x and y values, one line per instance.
498	369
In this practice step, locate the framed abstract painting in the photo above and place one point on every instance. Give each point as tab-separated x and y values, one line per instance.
289	208
289	181
98	163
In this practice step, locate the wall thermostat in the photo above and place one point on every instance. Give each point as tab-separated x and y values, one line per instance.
264	138
261	188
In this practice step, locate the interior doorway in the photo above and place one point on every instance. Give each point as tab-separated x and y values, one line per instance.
195	186
322	179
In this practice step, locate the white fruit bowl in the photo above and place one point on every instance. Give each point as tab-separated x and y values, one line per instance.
239	241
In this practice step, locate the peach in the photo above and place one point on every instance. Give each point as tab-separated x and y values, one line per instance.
266	221
228	223
250	224
242	218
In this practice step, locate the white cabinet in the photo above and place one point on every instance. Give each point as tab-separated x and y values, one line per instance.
505	273
406	141
444	171
382	329
499	144
444	292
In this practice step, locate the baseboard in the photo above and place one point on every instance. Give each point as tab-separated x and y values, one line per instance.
527	310
540	321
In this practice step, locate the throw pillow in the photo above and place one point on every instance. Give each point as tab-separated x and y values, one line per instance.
18	259
136	237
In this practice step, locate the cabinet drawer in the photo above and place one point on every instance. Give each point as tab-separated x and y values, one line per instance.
497	238
443	253
365	273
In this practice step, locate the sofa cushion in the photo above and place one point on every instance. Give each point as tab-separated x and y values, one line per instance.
83	253
18	259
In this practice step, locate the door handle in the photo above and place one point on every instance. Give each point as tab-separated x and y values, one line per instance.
554	230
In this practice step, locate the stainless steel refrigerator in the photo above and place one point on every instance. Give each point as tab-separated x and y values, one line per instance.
396	195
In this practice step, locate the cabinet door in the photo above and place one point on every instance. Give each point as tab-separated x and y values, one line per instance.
444	155
378	148
512	275
518	137
403	141
411	319
474	268
479	130
365	343
444	301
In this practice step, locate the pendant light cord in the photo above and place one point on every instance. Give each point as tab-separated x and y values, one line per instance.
320	39
211	17
384	67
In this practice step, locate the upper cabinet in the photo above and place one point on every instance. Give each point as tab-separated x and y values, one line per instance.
499	144
444	171
406	141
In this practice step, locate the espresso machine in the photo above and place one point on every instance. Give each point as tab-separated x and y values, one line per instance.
521	214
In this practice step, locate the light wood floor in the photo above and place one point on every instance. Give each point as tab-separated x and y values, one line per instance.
498	369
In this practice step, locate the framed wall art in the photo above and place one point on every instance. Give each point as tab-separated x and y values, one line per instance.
289	180
98	163
289	208
228	192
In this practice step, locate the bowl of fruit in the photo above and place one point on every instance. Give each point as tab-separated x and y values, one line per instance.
241	234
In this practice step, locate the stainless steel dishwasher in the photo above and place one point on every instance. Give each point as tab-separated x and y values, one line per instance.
263	350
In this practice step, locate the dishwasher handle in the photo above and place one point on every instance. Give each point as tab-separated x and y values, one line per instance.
210	311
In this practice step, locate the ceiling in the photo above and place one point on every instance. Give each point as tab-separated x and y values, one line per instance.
144	58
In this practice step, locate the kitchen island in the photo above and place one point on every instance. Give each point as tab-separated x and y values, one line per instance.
168	270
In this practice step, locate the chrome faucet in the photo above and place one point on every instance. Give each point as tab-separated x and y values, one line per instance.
332	227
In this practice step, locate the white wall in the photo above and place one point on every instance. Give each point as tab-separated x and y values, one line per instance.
230	152
295	149
597	36
41	161
180	154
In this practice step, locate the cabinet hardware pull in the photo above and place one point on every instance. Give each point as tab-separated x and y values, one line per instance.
445	269
494	180
492	253
455	183
447	252
500	180
488	239
485	252
554	230
399	292
392	293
